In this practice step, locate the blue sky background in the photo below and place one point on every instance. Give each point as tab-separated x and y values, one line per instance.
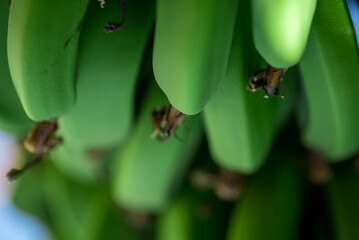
14	224
354	12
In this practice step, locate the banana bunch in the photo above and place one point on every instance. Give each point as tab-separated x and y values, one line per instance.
125	113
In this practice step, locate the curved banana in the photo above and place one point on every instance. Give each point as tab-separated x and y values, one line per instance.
191	49
241	126
12	116
342	194
274	199
281	29
42	47
108	67
329	113
146	171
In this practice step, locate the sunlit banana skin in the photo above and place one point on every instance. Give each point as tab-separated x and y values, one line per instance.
42	47
191	48
328	115
108	67
146	172
12	116
240	125
281	29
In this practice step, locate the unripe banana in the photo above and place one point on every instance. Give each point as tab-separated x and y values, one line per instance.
108	66
76	211
28	194
241	126
272	204
329	115
191	49
42	47
146	171
12	116
343	197
281	29
79	164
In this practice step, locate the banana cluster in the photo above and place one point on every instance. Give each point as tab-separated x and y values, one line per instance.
192	73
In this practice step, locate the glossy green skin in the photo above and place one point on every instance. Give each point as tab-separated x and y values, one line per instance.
12	116
241	125
191	49
281	29
273	201
329	116
42	48
343	197
147	171
108	66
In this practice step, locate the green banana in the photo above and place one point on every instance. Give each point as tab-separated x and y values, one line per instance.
77	211
329	114
240	125
194	215
272	204
281	29
343	197
146	171
108	66
12	116
77	163
191	48
117	225
42	47
28	194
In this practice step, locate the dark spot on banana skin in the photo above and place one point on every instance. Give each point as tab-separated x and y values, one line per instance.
78	28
